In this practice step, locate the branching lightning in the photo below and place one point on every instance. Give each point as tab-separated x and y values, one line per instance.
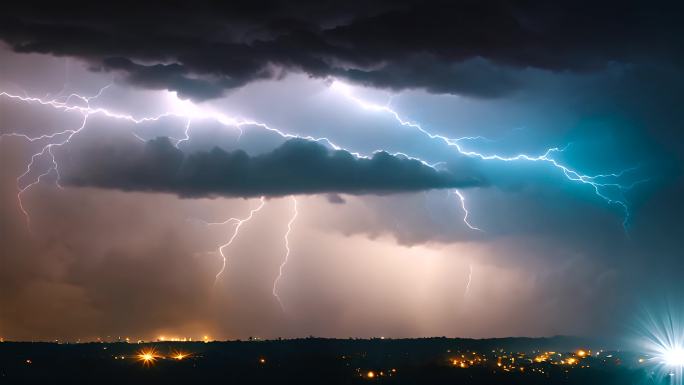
63	137
48	148
238	224
183	110
186	110
570	174
287	252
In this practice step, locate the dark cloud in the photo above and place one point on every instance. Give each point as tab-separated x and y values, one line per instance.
296	167
335	199
464	47
552	256
168	76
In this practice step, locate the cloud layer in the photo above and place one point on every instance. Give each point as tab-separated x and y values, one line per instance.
296	167
466	47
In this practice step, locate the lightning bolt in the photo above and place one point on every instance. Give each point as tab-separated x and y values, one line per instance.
238	224
48	148
63	137
287	252
188	111
470	279
465	211
187	134
184	110
546	157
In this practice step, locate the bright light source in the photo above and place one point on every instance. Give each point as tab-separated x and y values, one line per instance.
147	357
674	357
341	87
179	355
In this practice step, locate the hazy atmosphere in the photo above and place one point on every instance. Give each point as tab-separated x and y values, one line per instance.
497	169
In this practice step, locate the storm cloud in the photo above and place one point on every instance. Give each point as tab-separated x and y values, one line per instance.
126	255
296	167
465	47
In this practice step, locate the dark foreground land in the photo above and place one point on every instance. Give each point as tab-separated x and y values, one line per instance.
322	361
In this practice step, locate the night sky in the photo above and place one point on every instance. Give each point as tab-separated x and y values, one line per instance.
391	168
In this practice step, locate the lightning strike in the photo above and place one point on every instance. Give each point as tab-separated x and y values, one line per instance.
470	280
465	211
546	157
287	252
182	110
187	134
47	149
189	111
238	224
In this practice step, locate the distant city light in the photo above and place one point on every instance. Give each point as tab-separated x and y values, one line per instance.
147	356
668	364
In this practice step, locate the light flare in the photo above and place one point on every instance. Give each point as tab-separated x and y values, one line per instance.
662	339
179	355
148	356
674	357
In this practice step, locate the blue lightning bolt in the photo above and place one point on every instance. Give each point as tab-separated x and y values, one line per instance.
189	111
287	253
546	157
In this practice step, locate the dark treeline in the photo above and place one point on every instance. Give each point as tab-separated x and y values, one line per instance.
304	361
